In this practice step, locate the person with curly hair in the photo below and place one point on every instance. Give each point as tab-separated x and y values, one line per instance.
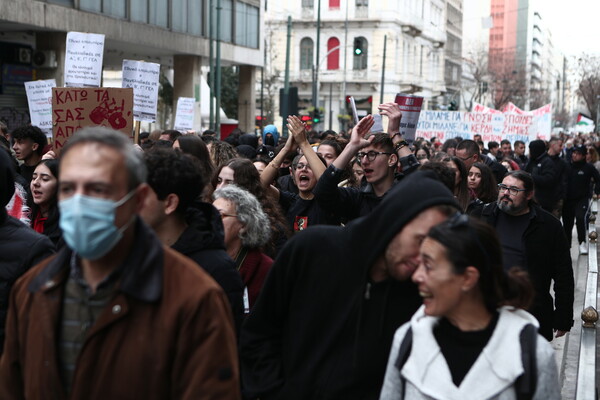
247	231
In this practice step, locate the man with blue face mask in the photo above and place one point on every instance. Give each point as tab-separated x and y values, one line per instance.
115	314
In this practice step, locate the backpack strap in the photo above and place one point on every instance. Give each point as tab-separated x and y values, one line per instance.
525	384
403	354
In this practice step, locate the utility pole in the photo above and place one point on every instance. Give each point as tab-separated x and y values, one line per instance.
316	68
383	69
218	75
343	107
286	83
262	87
211	60
330	108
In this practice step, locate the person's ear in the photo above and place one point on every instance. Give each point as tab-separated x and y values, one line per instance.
470	278
393	161
529	195
35	146
171	203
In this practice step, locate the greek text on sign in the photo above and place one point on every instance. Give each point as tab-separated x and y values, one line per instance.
83	59
411	109
184	117
39	98
76	108
142	77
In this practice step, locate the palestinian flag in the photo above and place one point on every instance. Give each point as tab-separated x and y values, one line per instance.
583	120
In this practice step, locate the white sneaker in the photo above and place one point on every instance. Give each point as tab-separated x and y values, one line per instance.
583	248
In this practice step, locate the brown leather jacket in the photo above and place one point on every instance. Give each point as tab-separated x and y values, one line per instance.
167	334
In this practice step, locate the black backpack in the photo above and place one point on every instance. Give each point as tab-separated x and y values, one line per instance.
525	384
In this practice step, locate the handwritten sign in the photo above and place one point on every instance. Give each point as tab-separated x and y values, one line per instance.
83	59
142	77
39	98
491	125
411	109
184	117
76	108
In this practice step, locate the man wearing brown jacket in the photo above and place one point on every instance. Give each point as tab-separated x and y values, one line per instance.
115	315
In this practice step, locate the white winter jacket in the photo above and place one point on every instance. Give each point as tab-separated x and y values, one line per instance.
492	376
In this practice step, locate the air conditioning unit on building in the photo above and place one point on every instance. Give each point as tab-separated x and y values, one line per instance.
44	59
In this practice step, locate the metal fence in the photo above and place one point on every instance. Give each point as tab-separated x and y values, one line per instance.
586	372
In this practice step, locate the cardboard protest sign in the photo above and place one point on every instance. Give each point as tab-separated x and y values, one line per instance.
411	109
142	77
83	59
76	108
39	98
184	117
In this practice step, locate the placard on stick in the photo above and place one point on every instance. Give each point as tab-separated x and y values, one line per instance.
76	108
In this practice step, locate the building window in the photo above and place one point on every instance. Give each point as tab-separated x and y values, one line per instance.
139	11
226	22
360	53
91	5
246	25
306	53
333	57
362	3
195	17
334	4
179	15
159	13
308	3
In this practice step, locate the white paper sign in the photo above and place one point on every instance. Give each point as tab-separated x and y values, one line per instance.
39	97
83	59
184	117
143	78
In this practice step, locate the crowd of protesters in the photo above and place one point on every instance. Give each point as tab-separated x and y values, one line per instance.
314	266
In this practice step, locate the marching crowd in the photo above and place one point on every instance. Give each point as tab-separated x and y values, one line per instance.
316	266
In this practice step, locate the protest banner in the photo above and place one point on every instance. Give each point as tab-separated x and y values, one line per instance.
184	116
142	77
76	108
411	109
39	98
83	59
490	124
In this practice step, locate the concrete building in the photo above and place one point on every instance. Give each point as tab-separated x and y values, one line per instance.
174	33
453	59
351	49
521	49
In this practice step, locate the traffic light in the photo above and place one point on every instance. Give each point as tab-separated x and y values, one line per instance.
453	106
317	116
358	46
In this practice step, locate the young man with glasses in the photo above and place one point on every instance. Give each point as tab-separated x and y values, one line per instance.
379	154
533	239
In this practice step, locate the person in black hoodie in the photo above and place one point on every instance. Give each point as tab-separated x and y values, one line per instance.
323	325
20	246
191	227
579	179
545	176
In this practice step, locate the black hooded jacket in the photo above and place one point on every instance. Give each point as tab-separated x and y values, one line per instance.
320	329
202	241
20	246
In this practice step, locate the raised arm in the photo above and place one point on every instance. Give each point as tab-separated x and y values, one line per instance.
270	173
357	142
298	130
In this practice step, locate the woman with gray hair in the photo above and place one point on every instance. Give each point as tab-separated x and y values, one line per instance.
247	230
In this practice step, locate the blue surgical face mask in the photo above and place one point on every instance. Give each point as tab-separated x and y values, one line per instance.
88	224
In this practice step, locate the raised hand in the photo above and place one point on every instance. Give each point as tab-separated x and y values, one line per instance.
297	129
392	111
357	138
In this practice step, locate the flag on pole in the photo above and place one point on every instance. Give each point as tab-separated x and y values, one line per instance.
583	120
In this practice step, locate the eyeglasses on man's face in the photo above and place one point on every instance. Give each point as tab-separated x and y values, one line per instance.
513	191
371	155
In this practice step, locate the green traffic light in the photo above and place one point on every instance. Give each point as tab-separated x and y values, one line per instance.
358	51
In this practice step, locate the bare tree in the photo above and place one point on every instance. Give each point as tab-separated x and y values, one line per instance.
271	77
476	83
508	80
589	82
538	98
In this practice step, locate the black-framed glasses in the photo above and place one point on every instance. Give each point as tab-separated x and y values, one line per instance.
463	158
511	189
371	155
